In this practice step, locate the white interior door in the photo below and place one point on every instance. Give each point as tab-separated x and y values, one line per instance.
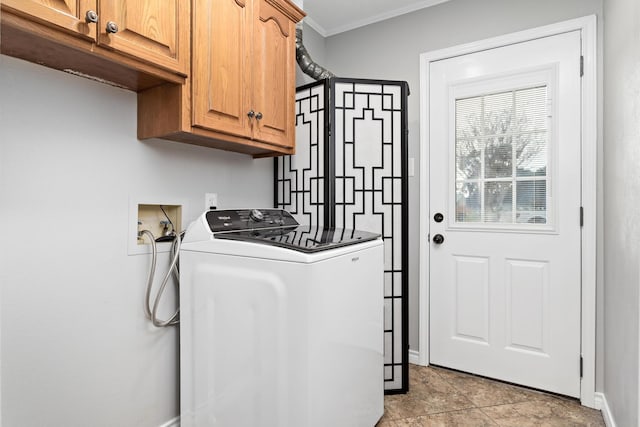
505	213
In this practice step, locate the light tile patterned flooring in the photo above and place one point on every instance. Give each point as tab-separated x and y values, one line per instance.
444	398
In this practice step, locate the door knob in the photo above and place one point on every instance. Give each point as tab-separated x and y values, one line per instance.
438	239
251	114
438	217
259	116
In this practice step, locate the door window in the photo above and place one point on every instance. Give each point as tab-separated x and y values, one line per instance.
501	157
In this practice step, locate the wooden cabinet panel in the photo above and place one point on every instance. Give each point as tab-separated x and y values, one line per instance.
68	15
221	75
243	61
274	66
156	31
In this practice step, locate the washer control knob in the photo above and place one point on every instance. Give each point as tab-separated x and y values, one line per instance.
256	215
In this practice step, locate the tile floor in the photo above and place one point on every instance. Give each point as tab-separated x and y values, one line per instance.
445	398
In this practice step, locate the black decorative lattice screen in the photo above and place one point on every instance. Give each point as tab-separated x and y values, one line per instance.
350	171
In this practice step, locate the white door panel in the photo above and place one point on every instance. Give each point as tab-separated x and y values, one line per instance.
505	175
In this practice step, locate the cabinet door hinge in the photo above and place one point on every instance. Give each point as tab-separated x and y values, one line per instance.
581	216
581	65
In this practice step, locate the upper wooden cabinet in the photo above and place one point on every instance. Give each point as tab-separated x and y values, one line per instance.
241	92
134	43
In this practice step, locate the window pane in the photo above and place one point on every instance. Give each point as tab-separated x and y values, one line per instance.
498	113
468	160
531	154
468	202
498	158
498	202
531	110
468	117
531	202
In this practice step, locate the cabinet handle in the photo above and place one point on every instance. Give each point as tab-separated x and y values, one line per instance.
251	114
91	17
112	27
258	116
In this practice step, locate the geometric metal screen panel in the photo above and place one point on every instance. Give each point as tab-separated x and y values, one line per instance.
364	178
300	179
369	192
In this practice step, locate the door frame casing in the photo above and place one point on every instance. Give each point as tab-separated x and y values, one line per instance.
589	181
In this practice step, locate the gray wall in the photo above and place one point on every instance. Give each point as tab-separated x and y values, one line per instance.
390	50
621	207
76	349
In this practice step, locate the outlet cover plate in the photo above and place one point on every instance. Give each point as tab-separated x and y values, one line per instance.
210	201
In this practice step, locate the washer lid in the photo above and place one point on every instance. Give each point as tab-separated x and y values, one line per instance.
301	238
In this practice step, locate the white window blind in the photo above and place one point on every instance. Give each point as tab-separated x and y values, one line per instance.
501	159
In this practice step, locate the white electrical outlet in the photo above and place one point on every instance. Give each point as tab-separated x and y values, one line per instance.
211	201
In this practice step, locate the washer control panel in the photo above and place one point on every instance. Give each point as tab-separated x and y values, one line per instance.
248	219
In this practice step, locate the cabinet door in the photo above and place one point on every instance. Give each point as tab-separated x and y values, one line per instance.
221	65
274	75
156	31
66	14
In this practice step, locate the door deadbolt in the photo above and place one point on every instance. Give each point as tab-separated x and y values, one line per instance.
438	217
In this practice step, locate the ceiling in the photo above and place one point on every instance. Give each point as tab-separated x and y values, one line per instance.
323	15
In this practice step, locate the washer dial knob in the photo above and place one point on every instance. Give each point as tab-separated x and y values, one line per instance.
256	215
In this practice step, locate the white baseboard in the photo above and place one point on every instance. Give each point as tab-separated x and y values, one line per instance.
175	422
601	403
414	357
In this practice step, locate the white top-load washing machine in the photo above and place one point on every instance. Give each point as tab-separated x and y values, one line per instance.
281	325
